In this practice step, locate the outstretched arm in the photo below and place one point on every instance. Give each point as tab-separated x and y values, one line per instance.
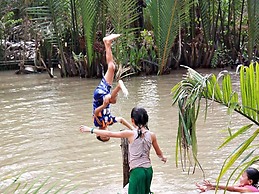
158	151
106	133
210	186
124	122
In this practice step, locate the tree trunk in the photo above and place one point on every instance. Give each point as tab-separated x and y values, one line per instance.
125	150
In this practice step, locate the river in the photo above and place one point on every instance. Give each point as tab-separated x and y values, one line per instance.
40	138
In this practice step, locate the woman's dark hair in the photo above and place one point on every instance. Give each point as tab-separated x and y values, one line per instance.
140	117
253	174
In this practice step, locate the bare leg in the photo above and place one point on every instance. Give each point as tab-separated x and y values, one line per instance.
114	94
109	75
123	88
116	90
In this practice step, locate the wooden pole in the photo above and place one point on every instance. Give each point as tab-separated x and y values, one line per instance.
125	151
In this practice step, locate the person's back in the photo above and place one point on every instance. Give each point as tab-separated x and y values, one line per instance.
139	150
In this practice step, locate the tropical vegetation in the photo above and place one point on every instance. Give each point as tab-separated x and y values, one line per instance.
187	95
158	35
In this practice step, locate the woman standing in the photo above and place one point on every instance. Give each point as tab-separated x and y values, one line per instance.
140	142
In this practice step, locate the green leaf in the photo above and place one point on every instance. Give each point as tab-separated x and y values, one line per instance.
240	131
166	18
89	16
188	93
238	153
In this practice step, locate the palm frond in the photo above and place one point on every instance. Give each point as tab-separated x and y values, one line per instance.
51	20
102	15
207	14
42	22
187	95
166	18
237	153
123	14
188	92
253	28
239	132
249	90
89	16
257	88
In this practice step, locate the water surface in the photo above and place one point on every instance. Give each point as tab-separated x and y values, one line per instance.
40	138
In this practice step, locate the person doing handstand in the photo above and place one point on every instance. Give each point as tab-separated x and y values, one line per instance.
103	97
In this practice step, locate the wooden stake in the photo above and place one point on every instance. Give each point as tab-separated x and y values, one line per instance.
125	151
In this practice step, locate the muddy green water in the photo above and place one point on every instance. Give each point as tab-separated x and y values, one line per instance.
40	138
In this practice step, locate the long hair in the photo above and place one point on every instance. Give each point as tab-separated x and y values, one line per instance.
253	174
140	117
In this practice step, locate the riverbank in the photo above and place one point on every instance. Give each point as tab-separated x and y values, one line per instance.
15	64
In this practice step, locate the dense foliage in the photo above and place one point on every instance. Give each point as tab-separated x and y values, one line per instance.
158	36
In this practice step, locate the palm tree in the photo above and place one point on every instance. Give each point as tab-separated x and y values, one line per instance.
89	12
123	14
253	28
188	94
50	20
167	18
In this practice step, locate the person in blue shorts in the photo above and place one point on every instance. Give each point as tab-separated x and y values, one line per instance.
103	96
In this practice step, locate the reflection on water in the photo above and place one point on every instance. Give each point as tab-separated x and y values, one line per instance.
148	93
39	123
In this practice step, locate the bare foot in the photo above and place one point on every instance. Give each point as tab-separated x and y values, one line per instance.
123	88
110	38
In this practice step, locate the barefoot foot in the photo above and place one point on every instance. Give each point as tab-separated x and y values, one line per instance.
110	38
123	88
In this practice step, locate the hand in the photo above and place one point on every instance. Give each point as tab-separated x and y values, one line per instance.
106	99
163	159
201	187
205	186
208	185
84	129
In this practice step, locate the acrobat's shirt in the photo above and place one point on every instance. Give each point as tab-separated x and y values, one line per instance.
104	118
